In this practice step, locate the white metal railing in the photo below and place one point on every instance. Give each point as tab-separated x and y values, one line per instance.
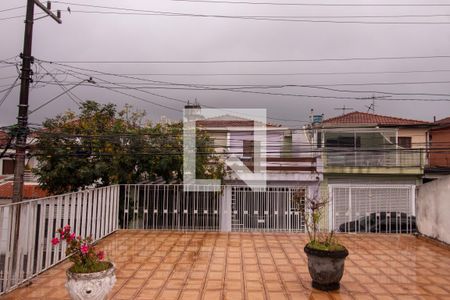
170	207
268	209
343	157
372	208
90	213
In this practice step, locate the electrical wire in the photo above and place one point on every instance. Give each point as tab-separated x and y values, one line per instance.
69	93
178	14
245	61
316	4
13	8
14	84
265	93
132	11
281	74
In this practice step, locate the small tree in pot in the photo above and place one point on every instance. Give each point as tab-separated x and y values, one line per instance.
326	256
90	277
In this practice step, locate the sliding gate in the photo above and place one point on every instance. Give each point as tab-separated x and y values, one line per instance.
268	209
372	208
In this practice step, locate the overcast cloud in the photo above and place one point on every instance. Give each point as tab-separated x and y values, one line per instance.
100	37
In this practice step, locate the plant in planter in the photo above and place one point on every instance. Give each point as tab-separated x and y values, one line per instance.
326	256
90	277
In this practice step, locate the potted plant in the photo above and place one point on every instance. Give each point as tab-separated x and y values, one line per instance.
326	256
90	276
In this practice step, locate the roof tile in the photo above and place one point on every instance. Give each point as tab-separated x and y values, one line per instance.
373	119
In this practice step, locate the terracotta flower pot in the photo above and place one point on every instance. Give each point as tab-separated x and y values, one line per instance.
326	267
90	286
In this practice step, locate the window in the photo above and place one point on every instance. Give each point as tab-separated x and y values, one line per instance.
8	167
344	142
404	142
248	148
319	140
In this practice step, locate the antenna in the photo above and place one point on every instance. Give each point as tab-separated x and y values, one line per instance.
371	107
343	109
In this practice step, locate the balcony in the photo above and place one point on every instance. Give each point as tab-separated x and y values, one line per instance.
385	161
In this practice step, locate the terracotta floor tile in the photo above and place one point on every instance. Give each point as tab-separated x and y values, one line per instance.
190	295
233	295
256	295
274	286
194	284
169	295
214	285
125	293
254	285
234	285
203	265
212	295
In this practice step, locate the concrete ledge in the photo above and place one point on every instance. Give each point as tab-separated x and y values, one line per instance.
433	241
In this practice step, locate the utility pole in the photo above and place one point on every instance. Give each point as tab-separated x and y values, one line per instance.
22	118
22	123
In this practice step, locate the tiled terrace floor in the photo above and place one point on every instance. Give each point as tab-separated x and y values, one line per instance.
198	265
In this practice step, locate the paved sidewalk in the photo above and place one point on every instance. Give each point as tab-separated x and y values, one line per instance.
199	265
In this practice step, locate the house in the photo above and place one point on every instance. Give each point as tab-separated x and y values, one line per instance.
290	168
7	153
31	189
439	150
371	163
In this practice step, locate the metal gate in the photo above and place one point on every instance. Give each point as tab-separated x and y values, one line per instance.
169	207
372	208
268	209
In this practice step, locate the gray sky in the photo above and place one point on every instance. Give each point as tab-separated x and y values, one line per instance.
131	37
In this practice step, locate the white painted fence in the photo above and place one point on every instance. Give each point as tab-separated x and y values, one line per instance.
89	213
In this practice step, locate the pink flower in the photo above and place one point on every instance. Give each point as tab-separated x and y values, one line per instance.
67	228
70	237
84	248
101	255
55	241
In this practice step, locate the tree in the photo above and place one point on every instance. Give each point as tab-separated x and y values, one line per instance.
102	146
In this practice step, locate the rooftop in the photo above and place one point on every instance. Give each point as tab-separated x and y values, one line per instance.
212	265
362	118
30	190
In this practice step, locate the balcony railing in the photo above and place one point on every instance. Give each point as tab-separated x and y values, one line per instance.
23	256
373	158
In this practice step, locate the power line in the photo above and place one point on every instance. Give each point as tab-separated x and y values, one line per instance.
157	95
69	92
14	84
245	91
19	16
132	11
161	84
279	74
13	8
245	61
256	18
316	4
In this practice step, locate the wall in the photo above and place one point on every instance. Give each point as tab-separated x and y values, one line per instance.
433	209
440	139
418	136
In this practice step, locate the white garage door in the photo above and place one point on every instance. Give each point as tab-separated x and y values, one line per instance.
372	208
